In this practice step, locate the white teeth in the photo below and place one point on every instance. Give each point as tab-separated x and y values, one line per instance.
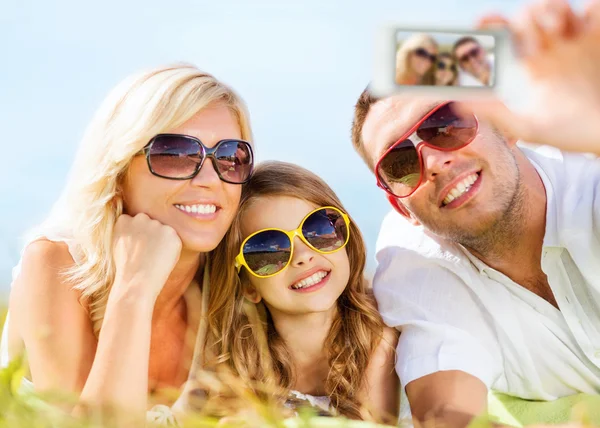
199	209
460	189
311	280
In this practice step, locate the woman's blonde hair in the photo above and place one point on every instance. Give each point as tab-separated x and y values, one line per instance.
419	40
137	109
241	334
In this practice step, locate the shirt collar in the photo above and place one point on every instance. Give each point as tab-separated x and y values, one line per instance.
551	233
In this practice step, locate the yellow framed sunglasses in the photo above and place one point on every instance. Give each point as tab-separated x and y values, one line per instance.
268	252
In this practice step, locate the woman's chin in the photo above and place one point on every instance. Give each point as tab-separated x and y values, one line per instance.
200	243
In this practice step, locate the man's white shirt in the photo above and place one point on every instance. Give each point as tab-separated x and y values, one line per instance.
456	313
467	79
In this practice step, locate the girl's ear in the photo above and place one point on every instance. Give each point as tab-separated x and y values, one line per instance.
252	294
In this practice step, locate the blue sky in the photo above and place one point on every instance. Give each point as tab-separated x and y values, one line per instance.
299	65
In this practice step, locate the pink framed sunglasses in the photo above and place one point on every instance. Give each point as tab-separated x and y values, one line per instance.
399	170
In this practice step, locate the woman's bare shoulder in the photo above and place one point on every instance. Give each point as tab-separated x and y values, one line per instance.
42	273
47	319
47	252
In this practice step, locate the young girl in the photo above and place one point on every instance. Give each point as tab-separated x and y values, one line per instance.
295	260
446	73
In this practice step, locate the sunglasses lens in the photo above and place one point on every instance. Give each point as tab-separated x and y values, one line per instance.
420	52
234	161
448	130
325	230
174	156
473	53
267	252
400	169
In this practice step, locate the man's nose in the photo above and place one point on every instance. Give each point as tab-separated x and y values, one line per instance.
436	161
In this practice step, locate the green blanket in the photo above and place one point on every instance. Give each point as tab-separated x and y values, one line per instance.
582	408
518	412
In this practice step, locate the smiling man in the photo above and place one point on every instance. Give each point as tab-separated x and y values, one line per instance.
489	264
473	61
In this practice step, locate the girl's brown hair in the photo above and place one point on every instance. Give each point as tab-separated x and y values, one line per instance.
241	334
454	69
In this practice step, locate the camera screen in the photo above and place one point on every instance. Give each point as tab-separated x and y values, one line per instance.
444	59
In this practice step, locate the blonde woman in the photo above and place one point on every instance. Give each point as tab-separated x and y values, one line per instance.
300	271
107	299
415	60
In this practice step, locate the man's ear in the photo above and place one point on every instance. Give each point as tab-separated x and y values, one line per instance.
252	294
402	210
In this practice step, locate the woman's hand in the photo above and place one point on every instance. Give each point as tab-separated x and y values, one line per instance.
145	253
561	53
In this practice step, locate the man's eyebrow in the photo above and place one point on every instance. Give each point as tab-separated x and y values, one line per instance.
396	135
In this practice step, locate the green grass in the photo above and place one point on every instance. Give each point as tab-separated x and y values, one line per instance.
26	409
22	409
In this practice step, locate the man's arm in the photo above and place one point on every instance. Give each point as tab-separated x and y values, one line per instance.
448	354
561	63
452	398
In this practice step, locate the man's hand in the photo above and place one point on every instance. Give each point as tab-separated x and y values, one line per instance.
452	398
561	53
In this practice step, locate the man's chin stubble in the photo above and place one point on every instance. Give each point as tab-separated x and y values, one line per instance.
492	234
501	234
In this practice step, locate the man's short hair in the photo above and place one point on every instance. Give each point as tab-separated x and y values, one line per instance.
462	41
361	110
